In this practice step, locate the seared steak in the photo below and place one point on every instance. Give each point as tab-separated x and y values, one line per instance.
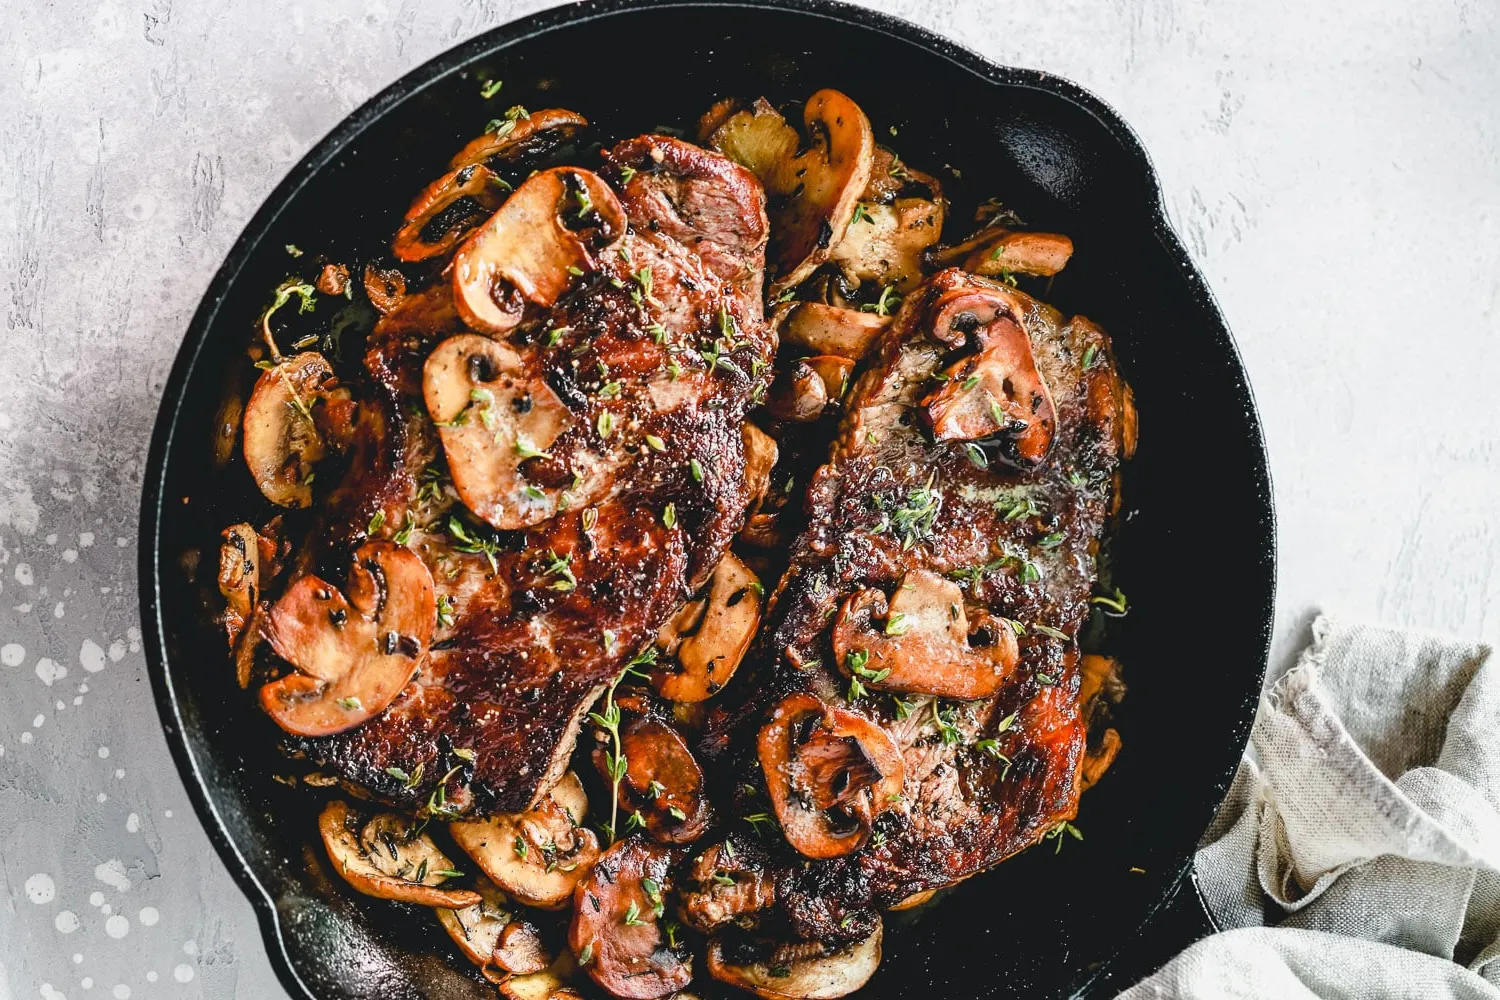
650	361
1007	534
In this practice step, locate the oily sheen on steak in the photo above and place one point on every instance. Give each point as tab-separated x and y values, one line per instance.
651	360
1008	537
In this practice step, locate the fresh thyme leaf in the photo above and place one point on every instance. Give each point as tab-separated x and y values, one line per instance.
633	915
1089	354
1049	631
1114	604
655	443
976	455
695	469
556	565
669	515
626	173
490	89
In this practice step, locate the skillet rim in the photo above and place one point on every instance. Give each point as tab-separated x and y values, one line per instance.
1183	887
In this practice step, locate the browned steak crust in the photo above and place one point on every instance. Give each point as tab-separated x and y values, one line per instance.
980	785
659	355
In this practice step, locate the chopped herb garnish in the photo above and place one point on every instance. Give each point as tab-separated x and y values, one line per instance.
407	527
490	89
609	721
626	173
1114	604
376	523
976	455
1048	630
605	424
944	719
669	515
1057	832
655	443
896	624
695	469
633	915
556	565
1089	354
467	543
903	708
526	449
860	214
521	848
350	704
886	304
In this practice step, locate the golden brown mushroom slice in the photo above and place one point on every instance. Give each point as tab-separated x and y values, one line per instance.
921	640
885	244
802	971
520	135
476	928
835	371
387	856
539	855
385	287
830	329
997	391
814	191
760	458
552	228
494	414
549	984
708	638
799	394
663	787
619	932
830	772
354	650
998	251
282	442
243	569
446	210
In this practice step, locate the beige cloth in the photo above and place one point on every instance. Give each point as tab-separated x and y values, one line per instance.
1358	852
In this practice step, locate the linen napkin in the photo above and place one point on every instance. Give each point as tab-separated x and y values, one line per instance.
1358	852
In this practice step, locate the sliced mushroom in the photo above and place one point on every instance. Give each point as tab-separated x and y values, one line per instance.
885	243
830	772
476	928
1097	760
553	226
813	191
1100	687
663	787
495	415
760	458
925	642
333	279
835	371
387	856
384	286
241	580
520	136
1008	252
618	913
708	638
829	329
915	900
539	855
804	971
446	210
354	651
996	392
550	984
282	440
997	250
799	394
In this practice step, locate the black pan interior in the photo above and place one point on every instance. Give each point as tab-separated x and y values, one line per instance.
1195	556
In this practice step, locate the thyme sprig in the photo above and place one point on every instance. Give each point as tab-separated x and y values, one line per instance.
609	721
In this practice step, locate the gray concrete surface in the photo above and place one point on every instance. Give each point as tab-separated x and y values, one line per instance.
1332	165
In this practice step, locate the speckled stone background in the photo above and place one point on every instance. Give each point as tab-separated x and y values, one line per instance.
1334	166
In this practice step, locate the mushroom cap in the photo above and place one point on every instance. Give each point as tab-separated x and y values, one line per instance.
662	781
814	191
494	413
824	765
830	329
354	650
814	976
708	638
997	391
432	208
925	645
386	856
616	921
886	245
554	225
539	855
535	134
282	441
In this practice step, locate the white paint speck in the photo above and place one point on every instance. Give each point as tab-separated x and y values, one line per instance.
183	973
103	752
117	926
167	814
77	958
121	992
133	636
91	656
149	916
50	671
101	797
40	888
85	539
190	947
23	574
51	538
78	699
133	825
66	922
87	983
121	542
106	909
119	772
12	654
70	555
58	610
112	874
116	651
36	723
96	898
25	737
48	993
151	976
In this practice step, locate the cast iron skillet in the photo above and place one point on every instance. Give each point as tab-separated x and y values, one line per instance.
1196	554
